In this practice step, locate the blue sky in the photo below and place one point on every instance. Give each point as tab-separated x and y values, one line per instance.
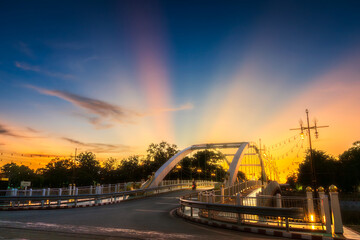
114	76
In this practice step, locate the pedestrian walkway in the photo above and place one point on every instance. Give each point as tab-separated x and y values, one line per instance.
351	234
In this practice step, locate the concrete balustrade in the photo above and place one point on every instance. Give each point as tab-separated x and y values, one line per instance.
335	210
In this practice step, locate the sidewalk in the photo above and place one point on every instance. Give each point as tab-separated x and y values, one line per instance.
351	234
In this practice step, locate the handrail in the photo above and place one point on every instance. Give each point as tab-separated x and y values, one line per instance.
253	210
36	201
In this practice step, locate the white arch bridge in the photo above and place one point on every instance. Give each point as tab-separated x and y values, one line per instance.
243	149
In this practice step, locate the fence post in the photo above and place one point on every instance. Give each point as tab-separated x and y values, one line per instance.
60	192
335	210
239	202
43	194
321	194
208	200
278	200
91	189
30	194
326	217
310	203
222	193
70	189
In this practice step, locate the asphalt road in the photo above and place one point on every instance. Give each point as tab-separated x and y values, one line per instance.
148	218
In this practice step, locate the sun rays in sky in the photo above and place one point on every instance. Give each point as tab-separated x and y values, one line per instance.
119	76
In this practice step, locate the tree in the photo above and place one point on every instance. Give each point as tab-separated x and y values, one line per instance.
349	169
130	169
58	173
157	155
108	172
325	168
17	173
88	169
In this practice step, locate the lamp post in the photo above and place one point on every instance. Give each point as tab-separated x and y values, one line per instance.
308	128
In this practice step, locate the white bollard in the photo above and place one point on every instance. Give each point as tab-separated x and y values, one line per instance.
335	210
70	189
91	190
48	192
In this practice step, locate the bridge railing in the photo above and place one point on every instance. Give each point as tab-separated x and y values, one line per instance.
81	190
229	205
77	199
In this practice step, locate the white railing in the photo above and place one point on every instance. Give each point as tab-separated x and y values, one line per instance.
48	198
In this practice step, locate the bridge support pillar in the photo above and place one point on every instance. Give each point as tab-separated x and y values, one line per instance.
336	213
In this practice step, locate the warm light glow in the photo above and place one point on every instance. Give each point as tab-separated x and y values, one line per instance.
302	136
312	218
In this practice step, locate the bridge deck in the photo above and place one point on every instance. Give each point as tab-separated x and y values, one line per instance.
140	219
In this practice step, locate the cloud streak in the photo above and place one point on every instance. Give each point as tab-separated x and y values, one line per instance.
103	110
7	132
37	69
100	108
99	147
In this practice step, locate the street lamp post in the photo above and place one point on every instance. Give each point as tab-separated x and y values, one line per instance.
308	128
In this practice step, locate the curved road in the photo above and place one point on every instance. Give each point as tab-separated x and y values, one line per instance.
147	218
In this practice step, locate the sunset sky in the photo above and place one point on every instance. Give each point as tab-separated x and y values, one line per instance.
114	76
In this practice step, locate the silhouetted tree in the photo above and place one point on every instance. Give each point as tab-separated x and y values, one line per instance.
349	168
17	173
130	170
88	169
325	168
58	173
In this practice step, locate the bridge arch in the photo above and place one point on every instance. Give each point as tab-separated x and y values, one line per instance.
242	147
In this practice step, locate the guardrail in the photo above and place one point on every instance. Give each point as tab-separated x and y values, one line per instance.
214	211
228	205
74	190
82	200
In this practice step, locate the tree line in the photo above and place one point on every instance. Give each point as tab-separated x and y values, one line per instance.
87	170
344	171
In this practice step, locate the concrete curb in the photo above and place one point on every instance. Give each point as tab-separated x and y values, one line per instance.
258	230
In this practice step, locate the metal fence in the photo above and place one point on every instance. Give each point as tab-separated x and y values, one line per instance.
229	205
44	198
